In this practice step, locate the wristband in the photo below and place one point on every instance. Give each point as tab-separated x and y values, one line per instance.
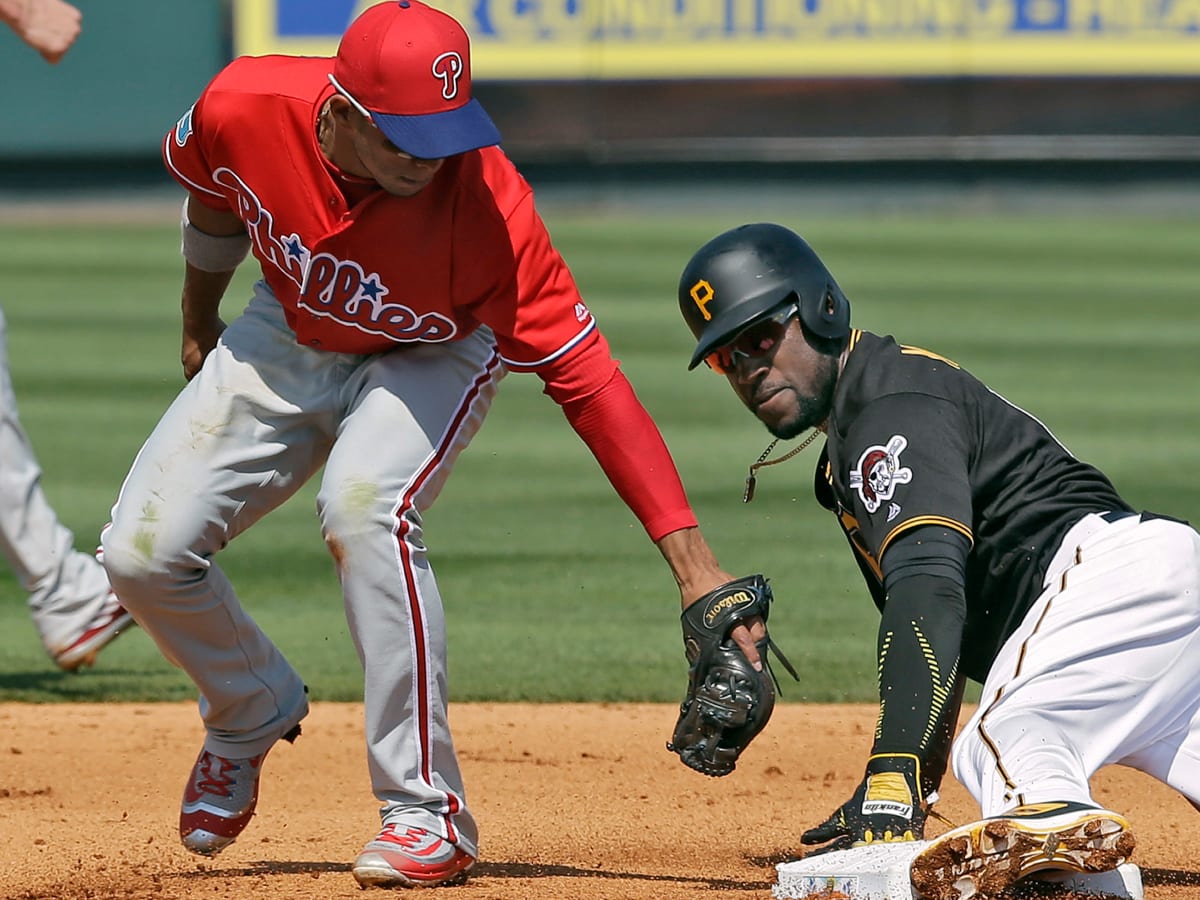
212	252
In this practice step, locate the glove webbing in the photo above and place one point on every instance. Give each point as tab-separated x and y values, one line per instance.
791	670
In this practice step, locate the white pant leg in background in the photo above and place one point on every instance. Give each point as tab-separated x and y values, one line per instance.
253	425
408	415
1105	668
66	587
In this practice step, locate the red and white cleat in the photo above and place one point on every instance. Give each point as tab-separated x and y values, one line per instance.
402	856
109	623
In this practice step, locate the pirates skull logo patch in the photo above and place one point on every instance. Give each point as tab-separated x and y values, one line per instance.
878	471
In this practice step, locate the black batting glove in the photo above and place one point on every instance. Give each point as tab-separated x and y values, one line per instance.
887	806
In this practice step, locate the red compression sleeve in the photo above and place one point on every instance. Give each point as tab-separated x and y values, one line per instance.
600	404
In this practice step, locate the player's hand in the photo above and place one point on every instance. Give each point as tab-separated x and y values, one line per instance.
199	338
50	27
886	807
747	635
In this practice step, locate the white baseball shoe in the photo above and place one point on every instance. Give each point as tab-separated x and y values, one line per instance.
406	856
110	621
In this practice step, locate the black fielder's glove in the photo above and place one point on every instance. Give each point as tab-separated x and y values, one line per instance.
887	806
727	701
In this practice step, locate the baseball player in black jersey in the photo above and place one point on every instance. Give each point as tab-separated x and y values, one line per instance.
992	554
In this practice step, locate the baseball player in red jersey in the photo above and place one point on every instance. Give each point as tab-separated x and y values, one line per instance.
993	554
73	610
405	270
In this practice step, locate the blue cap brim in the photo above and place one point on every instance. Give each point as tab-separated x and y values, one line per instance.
439	135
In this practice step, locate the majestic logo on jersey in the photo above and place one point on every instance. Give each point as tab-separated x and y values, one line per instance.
581	311
702	294
893	511
338	289
878	471
449	68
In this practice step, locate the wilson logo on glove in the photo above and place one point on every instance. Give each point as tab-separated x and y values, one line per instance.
722	604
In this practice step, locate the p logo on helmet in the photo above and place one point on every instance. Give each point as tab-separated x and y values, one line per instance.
746	274
702	293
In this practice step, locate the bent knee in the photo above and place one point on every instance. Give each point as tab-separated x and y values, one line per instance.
138	556
354	508
355	521
127	555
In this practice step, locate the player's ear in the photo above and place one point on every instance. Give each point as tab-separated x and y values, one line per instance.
343	111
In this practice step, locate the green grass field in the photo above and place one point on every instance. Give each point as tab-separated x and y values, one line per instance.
552	590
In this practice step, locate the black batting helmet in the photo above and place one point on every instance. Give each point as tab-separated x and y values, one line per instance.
747	273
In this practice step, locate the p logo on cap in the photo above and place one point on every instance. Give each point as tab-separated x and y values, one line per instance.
409	66
448	67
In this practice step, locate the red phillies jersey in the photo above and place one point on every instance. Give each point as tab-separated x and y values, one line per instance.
379	271
468	249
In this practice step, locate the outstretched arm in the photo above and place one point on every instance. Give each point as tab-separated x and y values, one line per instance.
602	407
920	692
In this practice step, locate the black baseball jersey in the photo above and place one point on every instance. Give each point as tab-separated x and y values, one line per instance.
915	440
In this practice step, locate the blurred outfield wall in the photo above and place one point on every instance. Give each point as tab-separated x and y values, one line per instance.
638	81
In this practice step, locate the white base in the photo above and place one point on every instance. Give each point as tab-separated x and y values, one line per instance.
873	872
880	872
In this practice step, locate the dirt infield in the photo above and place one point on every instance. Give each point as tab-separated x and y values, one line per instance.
579	802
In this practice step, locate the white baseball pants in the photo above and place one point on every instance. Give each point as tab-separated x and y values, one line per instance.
1104	669
262	416
66	587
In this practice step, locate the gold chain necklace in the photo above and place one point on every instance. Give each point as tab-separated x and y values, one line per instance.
748	494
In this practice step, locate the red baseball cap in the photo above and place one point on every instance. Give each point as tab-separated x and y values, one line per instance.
408	66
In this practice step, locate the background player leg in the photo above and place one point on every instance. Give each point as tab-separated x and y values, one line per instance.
69	597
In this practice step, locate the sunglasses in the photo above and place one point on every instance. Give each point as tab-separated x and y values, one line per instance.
755	340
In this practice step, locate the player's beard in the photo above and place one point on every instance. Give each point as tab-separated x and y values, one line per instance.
811	409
